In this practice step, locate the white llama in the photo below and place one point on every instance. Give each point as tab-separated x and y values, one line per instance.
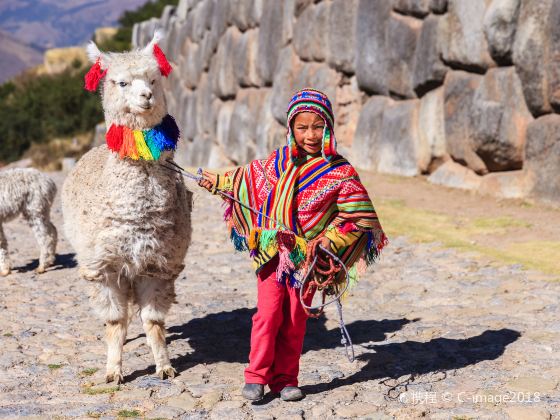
129	218
28	192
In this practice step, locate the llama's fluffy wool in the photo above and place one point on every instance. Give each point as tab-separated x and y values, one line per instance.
29	193
129	221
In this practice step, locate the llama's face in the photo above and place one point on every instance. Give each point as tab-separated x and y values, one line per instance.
132	86
133	91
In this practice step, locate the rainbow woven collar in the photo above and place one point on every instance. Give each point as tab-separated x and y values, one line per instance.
143	144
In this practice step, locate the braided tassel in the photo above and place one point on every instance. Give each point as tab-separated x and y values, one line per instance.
94	76
164	66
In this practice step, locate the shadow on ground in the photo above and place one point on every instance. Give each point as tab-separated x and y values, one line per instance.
61	262
413	358
225	337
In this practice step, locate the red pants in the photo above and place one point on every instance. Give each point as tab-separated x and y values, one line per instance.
277	334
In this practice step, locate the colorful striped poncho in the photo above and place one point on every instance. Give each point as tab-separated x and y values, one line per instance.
307	197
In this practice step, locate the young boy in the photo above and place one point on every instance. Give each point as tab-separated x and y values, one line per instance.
301	196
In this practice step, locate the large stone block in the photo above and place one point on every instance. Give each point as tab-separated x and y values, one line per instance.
438	6
182	10
372	56
499	119
418	8
431	126
310	39
510	184
241	13
269	133
367	138
202	19
168	12
288	21
205	112
428	69
207	49
462	34
218	159
284	83
189	127
319	77
270	39
349	99
220	18
531	53
256	13
301	5
399	146
143	32
200	149
402	37
454	175
554	64
459	90
294	75
543	156
241	143
191	65
500	24
341	35
223	119
224	81
245	58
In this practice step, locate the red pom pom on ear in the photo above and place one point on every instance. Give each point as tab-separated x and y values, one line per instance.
94	76
164	66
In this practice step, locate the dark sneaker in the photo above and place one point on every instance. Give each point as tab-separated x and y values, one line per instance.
291	393
253	392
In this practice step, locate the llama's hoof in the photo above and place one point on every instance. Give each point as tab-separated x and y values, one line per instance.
4	273
40	270
115	377
167	372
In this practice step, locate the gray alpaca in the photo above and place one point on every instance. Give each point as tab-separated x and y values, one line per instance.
29	193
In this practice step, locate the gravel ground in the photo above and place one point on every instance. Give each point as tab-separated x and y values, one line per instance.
437	334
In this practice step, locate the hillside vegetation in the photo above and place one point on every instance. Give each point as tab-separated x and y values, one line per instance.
37	109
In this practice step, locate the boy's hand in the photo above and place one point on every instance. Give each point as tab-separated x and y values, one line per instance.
313	245
208	181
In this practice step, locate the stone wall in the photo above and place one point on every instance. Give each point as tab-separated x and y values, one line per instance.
463	91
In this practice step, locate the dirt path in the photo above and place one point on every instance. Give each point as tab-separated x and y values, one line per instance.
438	333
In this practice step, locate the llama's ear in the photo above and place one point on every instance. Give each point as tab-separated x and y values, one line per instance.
99	68
153	48
93	52
158	36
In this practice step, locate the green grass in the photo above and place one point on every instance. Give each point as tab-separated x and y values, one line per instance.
8	334
424	226
128	413
88	372
93	414
494	224
96	391
54	366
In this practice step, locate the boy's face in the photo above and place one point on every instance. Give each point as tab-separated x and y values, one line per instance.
308	132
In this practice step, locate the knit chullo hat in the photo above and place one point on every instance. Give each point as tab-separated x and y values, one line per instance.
311	100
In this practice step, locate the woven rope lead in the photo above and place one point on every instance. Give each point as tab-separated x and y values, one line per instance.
331	273
345	340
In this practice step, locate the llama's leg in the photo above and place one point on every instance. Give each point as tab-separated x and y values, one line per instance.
155	296
46	236
4	258
111	302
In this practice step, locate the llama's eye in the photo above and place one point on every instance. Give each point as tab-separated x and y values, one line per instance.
122	84
153	81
